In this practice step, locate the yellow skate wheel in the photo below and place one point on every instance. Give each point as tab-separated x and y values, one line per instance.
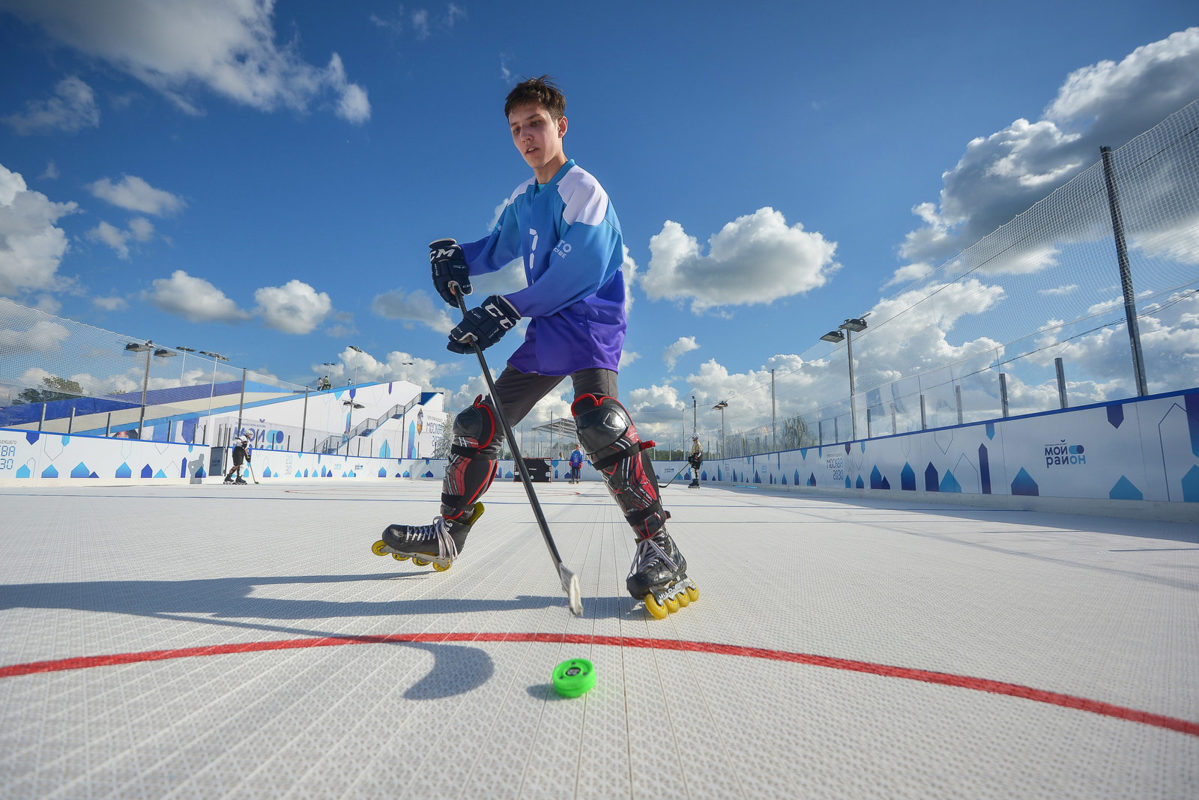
420	562
651	605
439	568
682	599
377	548
692	594
672	604
399	557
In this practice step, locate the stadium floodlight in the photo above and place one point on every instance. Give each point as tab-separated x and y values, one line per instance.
850	326
721	406
856	325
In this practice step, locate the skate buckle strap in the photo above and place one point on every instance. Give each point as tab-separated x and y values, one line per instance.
647	549
628	451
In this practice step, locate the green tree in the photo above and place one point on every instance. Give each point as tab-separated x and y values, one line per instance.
56	389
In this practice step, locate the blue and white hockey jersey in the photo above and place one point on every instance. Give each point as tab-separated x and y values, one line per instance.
568	237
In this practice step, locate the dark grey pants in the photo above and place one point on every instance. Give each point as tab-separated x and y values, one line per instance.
519	391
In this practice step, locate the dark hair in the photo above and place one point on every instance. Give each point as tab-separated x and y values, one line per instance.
537	90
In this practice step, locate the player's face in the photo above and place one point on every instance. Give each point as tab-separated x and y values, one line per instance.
538	138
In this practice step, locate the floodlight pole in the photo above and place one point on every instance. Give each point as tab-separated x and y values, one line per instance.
721	406
141	418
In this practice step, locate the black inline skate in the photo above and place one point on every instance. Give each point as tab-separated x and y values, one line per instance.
438	543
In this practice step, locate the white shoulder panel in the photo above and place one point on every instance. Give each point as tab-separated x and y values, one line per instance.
586	201
519	190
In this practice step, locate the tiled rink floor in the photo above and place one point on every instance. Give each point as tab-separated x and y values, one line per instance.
242	641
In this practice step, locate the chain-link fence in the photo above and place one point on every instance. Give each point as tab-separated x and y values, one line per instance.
1040	309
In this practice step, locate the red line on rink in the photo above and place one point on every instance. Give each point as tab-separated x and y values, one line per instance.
906	673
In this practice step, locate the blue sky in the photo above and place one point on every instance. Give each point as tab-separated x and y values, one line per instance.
261	179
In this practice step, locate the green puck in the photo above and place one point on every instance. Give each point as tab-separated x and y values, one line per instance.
574	677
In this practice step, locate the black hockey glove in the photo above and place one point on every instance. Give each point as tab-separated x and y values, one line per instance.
449	266
483	325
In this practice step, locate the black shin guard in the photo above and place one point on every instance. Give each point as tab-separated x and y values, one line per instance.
471	466
610	438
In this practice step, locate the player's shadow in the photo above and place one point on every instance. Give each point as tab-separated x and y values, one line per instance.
232	603
236	598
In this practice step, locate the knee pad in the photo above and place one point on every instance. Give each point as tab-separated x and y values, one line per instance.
471	466
610	438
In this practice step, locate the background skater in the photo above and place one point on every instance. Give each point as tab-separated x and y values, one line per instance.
576	464
694	460
241	453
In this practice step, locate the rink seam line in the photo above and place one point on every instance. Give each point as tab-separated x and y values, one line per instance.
883	670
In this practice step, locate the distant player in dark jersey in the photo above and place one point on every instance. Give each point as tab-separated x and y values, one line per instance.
241	454
562	226
695	459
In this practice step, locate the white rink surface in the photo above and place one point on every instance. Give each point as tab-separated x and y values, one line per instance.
840	648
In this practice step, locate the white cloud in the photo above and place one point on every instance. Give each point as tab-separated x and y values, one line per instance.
194	299
754	259
917	339
1060	290
629	268
47	303
676	350
134	194
397	365
140	229
41	337
420	23
1002	174
72	108
31	244
1177	242
112	236
911	272
412	308
294	307
113	303
1098	365
175	46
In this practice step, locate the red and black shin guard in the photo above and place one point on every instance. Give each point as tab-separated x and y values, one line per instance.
607	433
472	462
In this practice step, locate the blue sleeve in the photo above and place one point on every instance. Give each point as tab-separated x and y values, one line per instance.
497	249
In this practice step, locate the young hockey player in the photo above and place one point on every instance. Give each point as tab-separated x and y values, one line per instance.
241	450
694	460
576	464
563	227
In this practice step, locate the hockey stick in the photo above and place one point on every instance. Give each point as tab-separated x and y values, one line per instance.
570	581
682	469
250	467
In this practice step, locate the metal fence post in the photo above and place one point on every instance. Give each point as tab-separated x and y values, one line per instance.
1003	393
1130	303
1061	383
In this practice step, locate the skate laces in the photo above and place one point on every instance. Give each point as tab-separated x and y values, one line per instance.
439	529
649	551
